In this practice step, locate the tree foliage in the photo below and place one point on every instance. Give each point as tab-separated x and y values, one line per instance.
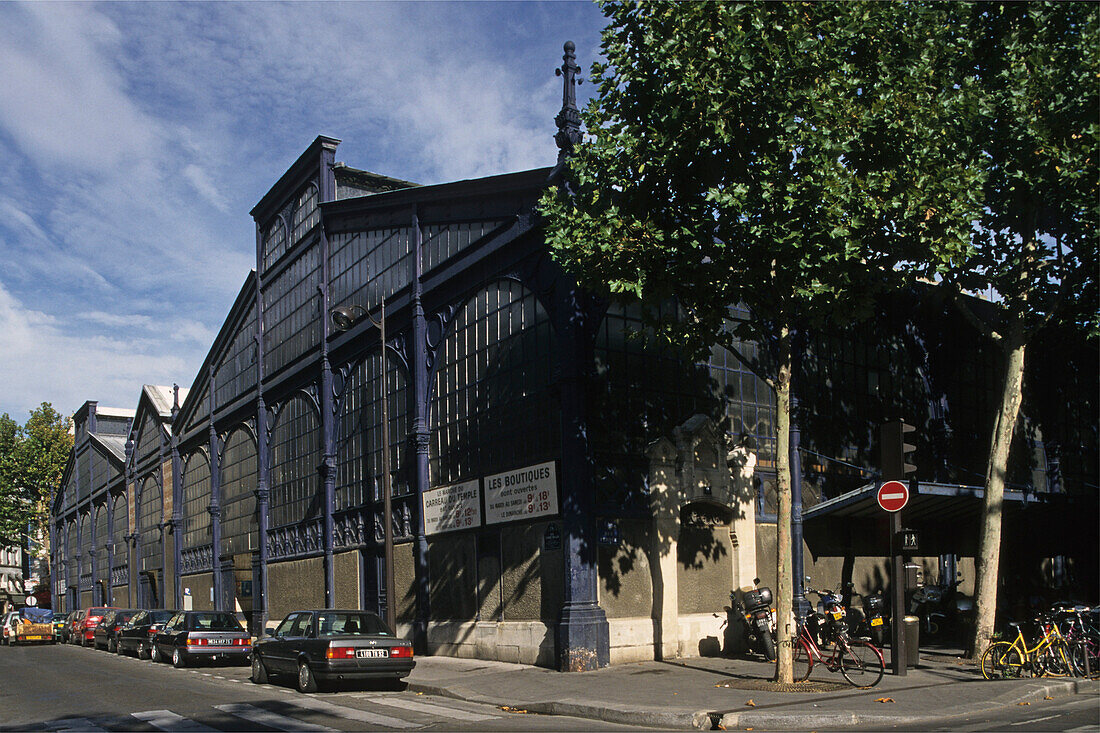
792	157
32	460
1036	70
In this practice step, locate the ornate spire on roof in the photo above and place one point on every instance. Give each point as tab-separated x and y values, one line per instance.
569	119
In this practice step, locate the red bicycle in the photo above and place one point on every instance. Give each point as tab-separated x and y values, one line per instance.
859	661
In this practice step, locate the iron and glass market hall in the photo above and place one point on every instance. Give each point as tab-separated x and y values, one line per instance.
561	493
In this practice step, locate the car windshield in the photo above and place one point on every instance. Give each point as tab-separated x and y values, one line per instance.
214	622
333	624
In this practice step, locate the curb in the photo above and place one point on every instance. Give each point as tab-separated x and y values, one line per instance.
797	721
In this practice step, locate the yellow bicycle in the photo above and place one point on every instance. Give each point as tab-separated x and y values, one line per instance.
1009	660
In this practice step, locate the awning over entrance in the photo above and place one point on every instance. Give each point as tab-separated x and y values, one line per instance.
949	519
930	501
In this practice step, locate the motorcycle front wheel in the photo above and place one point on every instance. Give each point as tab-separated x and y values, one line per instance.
878	635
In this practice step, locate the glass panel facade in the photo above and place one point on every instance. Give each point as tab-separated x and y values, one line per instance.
237	373
149	441
99	471
292	311
493	377
239	476
359	445
443	241
151	516
295	456
85	544
196	500
643	389
121	522
306	214
749	401
367	265
274	242
101	536
73	571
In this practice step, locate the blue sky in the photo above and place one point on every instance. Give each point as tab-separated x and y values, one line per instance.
135	137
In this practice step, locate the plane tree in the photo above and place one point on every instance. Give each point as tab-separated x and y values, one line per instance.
793	158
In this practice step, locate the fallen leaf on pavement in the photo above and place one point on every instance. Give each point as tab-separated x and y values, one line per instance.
1048	697
885	699
510	709
1023	703
751	704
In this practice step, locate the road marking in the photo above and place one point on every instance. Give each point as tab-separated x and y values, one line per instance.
427	707
270	719
1035	720
81	725
167	720
342	711
1084	729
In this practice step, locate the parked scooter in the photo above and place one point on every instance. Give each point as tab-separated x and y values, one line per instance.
874	620
941	608
759	618
830	617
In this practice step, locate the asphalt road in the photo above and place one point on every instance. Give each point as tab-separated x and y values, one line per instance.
68	688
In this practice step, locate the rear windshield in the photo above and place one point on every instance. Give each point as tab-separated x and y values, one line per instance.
159	617
332	624
213	622
123	616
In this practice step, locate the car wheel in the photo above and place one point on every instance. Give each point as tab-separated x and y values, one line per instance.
178	660
259	672
154	652
112	645
119	650
306	681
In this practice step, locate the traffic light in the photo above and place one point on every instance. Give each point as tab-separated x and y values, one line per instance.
895	452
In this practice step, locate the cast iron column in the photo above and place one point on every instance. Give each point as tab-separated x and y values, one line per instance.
583	637
215	506
801	605
419	438
177	500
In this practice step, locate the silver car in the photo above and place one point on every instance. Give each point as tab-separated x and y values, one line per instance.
207	635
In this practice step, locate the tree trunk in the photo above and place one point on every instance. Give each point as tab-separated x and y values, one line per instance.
989	549
784	576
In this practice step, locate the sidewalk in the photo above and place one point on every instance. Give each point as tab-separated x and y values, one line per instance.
693	693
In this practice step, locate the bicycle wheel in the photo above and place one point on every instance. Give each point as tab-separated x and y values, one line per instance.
1085	656
1001	661
803	661
1055	660
861	663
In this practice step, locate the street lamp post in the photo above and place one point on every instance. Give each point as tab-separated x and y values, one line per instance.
345	317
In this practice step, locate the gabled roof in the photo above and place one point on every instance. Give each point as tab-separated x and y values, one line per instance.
114	444
113	412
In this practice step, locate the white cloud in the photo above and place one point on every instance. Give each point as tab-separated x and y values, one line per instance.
46	359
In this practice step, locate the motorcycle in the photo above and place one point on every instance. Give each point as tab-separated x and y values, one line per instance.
756	609
941	608
830	616
874	621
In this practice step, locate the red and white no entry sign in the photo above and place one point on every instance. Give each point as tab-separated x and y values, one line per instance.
893	496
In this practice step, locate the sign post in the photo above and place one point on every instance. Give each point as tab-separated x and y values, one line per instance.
892	497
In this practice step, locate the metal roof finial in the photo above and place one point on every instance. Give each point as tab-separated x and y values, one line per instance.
569	119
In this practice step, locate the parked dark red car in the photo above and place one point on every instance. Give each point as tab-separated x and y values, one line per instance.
85	629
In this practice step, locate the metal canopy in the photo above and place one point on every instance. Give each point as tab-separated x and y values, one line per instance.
935	501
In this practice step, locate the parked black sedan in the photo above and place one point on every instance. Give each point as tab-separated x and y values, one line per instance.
194	635
326	645
105	634
136	635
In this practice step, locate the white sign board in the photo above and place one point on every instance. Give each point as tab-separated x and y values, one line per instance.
452	507
524	493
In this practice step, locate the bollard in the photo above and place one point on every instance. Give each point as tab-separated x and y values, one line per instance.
911	629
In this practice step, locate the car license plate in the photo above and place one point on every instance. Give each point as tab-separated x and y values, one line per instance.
219	642
838	615
372	653
35	638
876	622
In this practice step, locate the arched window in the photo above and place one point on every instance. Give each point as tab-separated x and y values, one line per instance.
239	471
295	455
196	501
359	449
71	549
121	521
101	537
274	242
306	214
85	544
152	509
492	407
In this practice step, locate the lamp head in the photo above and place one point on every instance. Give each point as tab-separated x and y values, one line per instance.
345	316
